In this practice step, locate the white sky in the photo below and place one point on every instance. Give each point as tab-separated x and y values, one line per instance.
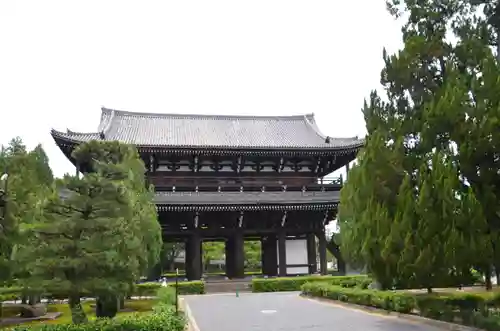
60	61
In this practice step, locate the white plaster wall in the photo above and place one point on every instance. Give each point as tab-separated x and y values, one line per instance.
296	253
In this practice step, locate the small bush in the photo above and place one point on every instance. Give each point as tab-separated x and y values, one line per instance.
282	284
166	295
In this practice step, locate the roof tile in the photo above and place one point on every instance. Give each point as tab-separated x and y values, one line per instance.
175	130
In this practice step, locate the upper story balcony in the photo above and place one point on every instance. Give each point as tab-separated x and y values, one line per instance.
245	184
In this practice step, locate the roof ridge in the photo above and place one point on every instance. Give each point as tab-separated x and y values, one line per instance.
117	112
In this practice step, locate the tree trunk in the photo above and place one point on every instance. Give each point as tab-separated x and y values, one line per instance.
429	290
77	314
122	302
497	275
33	299
487	278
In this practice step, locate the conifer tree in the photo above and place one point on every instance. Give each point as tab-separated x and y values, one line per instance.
426	110
368	207
28	181
93	236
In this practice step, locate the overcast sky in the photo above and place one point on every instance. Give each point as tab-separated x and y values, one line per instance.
60	61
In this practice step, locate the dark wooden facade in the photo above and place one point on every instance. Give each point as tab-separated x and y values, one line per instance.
239	178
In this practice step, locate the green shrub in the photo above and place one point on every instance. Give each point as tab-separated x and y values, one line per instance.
162	320
466	308
282	284
166	295
10	293
148	289
191	287
393	301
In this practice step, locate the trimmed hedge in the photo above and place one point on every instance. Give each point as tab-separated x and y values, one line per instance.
140	290
282	284
161	320
478	310
187	287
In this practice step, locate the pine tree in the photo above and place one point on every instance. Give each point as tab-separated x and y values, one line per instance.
145	218
367	208
98	233
83	244
26	190
428	62
428	84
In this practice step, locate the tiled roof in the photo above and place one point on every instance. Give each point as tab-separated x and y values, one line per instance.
211	131
246	198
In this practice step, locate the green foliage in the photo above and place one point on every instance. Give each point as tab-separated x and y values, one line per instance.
212	250
98	233
469	309
422	202
393	301
28	183
170	251
252	251
191	287
368	208
282	284
128	167
149	289
162	320
166	294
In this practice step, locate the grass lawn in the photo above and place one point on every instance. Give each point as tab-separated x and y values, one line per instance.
131	307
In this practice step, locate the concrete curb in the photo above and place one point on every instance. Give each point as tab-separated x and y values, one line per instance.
376	311
191	323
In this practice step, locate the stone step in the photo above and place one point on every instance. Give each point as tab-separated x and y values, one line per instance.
227	286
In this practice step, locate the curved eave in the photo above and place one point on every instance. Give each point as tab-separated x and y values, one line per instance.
67	145
246	207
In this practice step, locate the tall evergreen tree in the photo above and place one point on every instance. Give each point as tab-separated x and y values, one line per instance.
422	69
368	206
425	106
26	190
93	235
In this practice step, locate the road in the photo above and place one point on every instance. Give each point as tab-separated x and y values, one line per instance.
286	312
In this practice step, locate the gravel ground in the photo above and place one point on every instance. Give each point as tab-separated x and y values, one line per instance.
285	312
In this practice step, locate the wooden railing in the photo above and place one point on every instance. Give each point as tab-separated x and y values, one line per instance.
204	184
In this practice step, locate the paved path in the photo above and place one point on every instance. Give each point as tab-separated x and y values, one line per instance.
286	312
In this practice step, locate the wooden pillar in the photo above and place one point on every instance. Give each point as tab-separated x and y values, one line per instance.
311	253
282	253
322	253
201	258
238	255
193	257
229	258
270	255
264	261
